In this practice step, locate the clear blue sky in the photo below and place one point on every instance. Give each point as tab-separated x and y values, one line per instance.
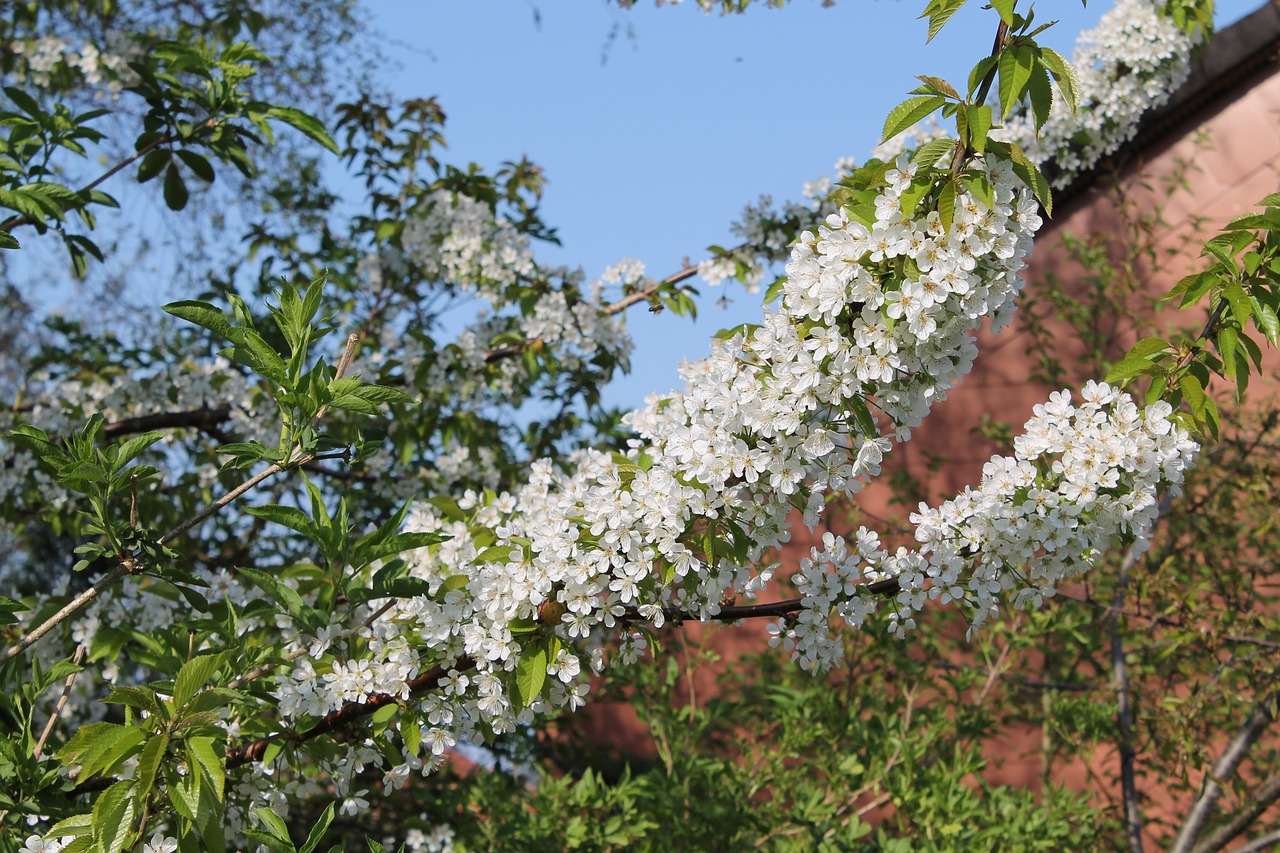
655	126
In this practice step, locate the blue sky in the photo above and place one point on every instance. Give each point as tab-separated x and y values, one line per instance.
656	125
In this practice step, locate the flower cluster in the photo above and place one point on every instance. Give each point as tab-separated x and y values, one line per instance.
1128	65
42	59
1083	480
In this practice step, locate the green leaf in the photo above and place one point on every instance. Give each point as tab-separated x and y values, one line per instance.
8	241
101	747
113	813
309	125
1241	306
979	119
271	842
938	86
931	152
194	674
274	824
149	762
1140	359
175	190
1005	8
24	102
318	831
939	12
200	752
199	166
1065	75
531	674
153	163
1015	72
1041	92
285	596
201	314
1193	392
910	111
286	516
947	205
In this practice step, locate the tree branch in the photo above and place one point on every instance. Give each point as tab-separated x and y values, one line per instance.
1262	799
735	612
1262	716
202	418
1124	713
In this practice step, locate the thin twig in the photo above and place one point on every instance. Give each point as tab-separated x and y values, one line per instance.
17	221
69	609
499	353
62	703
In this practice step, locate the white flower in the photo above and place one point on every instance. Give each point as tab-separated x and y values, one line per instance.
160	843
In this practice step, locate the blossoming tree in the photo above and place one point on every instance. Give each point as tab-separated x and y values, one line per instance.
268	612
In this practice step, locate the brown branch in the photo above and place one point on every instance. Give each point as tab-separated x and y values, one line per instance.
734	612
341	718
62	703
67	610
203	418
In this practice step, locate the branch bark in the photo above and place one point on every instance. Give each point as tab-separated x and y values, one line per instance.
1262	716
1262	799
1124	713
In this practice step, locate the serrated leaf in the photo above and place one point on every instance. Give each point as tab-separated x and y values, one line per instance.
200	751
113	817
931	152
275	845
1193	393
979	121
193	675
149	762
1241	307
284	595
1040	91
947	205
100	747
1015	72
1065	74
939	12
286	516
938	86
274	824
910	111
